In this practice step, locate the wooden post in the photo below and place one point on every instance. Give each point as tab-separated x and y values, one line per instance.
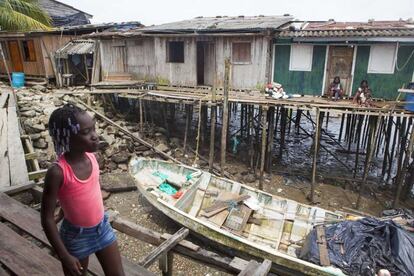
283	115
315	153
251	144
370	151
5	64
225	114
166	264
271	138
141	116
187	127
341	127
263	152
404	169
359	128
213	116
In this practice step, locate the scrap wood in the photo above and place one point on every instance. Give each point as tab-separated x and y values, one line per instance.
323	249
225	203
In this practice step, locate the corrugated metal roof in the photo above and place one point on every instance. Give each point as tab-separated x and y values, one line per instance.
221	24
400	28
76	47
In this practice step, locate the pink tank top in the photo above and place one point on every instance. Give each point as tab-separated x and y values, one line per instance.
81	200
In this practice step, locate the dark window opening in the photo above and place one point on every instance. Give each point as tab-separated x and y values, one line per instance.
29	53
175	51
241	52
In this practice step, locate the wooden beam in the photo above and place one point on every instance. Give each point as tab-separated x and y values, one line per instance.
225	115
249	269
4	155
263	268
263	151
323	246
11	190
315	153
37	174
166	246
18	169
154	238
23	258
31	155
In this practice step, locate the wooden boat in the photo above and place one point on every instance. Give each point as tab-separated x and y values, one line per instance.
244	219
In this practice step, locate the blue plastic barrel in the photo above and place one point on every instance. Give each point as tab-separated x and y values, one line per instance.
17	79
409	98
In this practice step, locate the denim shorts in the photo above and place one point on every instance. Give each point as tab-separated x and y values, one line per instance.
84	241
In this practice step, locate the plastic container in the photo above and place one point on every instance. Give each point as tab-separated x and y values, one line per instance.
409	98
17	79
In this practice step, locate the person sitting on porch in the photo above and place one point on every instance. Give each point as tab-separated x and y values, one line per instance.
363	95
335	89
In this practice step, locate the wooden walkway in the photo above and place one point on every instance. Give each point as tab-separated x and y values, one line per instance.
25	250
13	169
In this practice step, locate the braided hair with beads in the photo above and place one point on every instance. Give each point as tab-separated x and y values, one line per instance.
62	125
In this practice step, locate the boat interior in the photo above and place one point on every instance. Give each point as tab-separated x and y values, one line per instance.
271	221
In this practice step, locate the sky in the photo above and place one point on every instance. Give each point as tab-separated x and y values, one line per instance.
152	12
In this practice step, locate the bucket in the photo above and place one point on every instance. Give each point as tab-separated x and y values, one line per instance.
409	98
17	79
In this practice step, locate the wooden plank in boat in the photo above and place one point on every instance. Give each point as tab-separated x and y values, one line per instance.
23	258
220	218
199	194
225	203
237	219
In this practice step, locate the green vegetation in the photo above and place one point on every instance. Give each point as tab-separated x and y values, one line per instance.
23	15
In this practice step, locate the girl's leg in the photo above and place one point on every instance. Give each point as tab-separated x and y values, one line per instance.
110	260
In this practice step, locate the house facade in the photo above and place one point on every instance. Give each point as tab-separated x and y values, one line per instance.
192	52
308	55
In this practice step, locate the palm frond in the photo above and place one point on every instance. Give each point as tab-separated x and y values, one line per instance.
23	15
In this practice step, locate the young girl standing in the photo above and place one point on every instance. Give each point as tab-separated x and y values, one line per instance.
74	180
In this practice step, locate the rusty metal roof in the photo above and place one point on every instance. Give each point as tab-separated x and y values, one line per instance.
221	24
400	28
76	47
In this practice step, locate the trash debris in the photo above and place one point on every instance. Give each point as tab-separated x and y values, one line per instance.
365	246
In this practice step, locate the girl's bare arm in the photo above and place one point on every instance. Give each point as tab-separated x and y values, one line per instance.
53	181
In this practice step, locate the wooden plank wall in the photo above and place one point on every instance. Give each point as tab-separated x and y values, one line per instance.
13	169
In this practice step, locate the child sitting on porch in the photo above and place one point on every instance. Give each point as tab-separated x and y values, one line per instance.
363	95
335	89
74	180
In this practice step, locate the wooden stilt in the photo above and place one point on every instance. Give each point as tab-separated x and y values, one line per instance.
387	145
370	151
358	141
297	120
187	127
283	113
271	139
213	115
404	170
341	127
166	264
251	144
225	115
315	153
141	116
263	151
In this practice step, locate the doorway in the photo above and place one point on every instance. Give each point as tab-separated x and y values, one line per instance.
15	56
205	63
340	64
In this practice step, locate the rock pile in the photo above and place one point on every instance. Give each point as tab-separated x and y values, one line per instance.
115	148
